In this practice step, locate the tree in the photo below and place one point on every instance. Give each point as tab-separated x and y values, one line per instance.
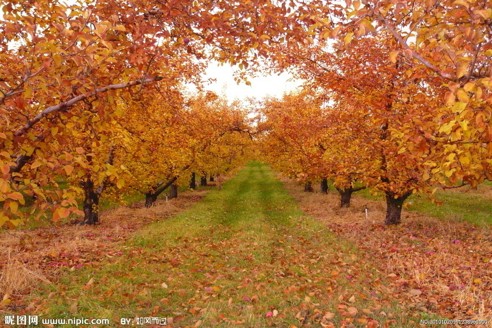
55	57
378	123
291	130
449	41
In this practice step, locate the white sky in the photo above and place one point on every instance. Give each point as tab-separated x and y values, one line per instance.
261	86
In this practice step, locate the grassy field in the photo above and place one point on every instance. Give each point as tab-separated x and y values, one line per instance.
244	256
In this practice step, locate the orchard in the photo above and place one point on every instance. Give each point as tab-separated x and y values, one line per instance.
395	104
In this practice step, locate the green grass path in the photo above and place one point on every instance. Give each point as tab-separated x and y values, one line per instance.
244	256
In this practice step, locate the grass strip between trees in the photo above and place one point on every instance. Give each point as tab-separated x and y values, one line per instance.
245	255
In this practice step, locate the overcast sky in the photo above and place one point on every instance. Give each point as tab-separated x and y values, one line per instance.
261	87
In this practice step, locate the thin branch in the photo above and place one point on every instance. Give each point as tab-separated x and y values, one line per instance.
18	88
474	63
455	187
415	55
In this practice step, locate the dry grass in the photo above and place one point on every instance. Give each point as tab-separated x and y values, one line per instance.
30	257
434	266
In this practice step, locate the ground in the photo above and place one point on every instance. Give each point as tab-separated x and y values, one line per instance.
257	253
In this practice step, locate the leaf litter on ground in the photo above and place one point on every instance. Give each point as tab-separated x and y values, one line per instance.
442	268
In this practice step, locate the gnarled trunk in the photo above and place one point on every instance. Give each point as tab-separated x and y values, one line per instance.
193	181
91	203
394	205
173	192
203	181
308	187
345	196
151	196
150	199
324	186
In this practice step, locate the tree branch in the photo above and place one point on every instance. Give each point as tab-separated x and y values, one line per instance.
69	103
415	55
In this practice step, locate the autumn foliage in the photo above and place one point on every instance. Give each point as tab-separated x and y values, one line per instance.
405	100
92	95
397	97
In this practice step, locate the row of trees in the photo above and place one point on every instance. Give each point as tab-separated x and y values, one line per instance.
398	95
369	116
91	96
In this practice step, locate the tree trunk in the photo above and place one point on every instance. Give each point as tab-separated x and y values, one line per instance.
151	196
345	196
203	181
91	203
324	186
150	199
193	181
394	206
308	187
173	192
212	178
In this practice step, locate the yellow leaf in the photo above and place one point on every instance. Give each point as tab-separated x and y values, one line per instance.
463	96
120	183
462	70
469	86
465	160
61	213
464	125
449	173
478	93
68	169
368	26
57	58
3	220
4	186
450	99
393	56
447	127
121	28
14	206
348	38
16	196
12	224
5	302
485	13
37	163
5	169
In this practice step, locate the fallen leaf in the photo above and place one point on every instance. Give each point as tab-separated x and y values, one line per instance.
329	316
352	311
415	292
